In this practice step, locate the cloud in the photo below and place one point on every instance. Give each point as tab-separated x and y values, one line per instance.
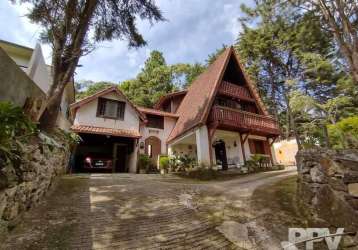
194	29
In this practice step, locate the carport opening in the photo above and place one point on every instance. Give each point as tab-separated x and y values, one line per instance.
103	154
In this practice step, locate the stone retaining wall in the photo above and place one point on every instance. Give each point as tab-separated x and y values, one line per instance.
328	183
23	185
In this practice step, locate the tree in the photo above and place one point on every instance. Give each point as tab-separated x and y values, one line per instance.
213	56
151	83
87	88
344	134
284	66
184	73
73	28
157	78
341	18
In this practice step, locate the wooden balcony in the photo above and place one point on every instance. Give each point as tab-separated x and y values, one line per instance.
233	90
238	120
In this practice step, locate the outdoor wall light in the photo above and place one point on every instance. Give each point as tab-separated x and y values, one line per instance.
235	145
141	145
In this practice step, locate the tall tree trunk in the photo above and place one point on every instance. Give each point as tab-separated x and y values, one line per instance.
273	91
64	62
338	18
326	136
292	123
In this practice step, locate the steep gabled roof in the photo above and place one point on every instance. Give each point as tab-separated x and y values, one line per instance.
106	91
156	112
194	109
166	97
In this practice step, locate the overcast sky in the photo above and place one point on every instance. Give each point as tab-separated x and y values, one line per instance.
195	28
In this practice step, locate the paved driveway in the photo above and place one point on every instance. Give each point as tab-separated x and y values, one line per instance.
124	211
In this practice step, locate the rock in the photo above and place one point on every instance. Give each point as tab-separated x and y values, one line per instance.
351	177
330	167
317	176
353	189
350	241
11	211
354	203
338	184
4	182
35	173
331	188
236	233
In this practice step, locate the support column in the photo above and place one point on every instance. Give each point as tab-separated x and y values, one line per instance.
243	139
203	146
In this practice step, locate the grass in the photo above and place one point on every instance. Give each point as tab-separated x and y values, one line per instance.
280	208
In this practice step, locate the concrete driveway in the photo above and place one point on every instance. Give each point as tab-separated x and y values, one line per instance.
124	211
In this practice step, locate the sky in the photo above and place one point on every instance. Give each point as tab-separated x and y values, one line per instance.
193	30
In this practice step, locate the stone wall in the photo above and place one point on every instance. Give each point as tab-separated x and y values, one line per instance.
24	182
328	183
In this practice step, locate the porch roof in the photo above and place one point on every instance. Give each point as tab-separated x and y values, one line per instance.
105	131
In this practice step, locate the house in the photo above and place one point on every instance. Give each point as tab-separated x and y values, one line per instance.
219	120
285	151
32	62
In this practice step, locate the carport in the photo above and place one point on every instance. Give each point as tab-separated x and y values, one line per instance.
117	146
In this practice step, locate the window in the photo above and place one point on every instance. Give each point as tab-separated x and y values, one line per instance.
155	121
112	109
257	146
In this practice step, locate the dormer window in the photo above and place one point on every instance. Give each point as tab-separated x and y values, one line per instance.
155	121
112	109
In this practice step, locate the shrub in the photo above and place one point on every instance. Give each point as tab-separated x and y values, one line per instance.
15	128
204	174
279	167
144	162
164	162
180	163
344	134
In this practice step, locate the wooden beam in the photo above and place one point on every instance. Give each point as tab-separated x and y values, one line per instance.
212	128
242	148
211	131
246	136
269	148
273	140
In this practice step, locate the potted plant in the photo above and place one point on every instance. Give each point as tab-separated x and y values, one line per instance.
143	163
164	164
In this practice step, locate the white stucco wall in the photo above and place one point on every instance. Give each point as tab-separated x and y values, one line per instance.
21	61
38	71
185	150
203	147
132	159
162	134
233	153
87	115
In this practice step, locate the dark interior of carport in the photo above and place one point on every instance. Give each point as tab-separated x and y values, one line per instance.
105	146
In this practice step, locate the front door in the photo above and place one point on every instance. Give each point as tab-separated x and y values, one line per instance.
220	154
120	152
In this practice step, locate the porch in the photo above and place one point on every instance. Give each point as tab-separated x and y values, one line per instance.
225	149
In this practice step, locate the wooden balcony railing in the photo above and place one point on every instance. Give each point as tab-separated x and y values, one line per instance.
243	120
233	90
